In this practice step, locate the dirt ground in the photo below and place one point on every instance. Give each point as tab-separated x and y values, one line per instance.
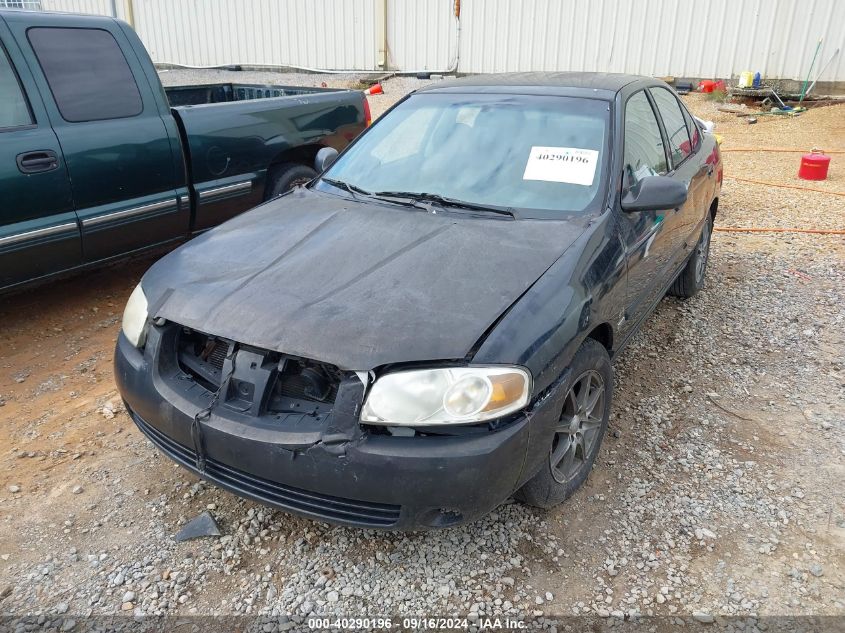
719	491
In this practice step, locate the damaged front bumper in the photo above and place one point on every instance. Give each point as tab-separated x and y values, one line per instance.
322	463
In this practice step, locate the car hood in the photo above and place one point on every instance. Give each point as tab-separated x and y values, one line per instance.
355	284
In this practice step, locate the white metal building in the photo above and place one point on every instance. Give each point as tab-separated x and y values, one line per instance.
683	38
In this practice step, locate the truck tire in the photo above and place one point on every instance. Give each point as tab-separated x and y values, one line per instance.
578	436
691	279
286	176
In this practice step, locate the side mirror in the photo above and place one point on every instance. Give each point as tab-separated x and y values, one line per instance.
655	193
324	158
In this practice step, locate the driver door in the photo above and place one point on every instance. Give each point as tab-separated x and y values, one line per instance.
652	238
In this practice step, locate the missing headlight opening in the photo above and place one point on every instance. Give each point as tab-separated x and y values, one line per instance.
297	385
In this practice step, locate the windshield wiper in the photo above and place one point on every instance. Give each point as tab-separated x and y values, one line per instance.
444	201
353	189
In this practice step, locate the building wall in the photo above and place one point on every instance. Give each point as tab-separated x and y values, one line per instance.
684	38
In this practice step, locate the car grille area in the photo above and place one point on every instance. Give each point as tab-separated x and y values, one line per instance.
262	381
330	508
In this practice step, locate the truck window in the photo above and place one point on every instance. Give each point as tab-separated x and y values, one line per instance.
87	73
14	111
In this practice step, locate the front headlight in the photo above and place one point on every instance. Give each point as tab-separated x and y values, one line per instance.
449	395
135	317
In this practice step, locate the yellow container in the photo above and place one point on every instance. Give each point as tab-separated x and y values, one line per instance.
746	79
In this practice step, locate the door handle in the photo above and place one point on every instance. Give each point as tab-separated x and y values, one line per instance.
710	170
37	161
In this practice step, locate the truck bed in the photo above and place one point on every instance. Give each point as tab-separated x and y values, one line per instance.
227	92
234	134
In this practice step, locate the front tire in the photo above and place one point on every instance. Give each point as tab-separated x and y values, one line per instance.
579	432
691	279
286	176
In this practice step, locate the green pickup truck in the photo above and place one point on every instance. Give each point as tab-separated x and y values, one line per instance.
98	160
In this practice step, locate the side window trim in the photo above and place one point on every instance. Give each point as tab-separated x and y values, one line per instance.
659	121
4	54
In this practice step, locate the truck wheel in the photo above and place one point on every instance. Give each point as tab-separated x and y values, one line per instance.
691	279
286	176
579	432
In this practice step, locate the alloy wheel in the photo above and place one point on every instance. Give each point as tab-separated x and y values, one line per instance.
702	251
577	432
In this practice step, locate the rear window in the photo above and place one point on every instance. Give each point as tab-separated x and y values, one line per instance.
673	121
87	73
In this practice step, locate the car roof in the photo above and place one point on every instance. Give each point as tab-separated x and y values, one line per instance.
576	84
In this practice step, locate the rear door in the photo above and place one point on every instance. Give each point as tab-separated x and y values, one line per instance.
117	147
39	234
686	166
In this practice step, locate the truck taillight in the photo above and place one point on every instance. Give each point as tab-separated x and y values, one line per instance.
368	117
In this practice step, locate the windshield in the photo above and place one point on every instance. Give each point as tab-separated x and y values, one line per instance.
538	155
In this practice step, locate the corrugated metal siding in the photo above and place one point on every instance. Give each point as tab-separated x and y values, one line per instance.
98	7
421	34
330	34
684	38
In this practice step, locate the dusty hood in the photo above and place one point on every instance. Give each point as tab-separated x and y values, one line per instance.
353	284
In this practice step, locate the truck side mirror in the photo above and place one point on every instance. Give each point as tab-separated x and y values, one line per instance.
655	193
324	158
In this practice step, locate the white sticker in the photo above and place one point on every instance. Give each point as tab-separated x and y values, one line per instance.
562	164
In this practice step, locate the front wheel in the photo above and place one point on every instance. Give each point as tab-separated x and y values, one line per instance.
579	431
287	176
691	279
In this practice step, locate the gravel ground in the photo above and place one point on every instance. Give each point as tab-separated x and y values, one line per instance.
718	491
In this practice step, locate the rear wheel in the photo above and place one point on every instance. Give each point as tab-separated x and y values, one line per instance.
691	279
579	431
287	176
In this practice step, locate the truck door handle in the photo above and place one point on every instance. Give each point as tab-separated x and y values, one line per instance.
710	170
37	161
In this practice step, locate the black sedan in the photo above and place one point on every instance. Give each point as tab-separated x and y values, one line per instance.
427	328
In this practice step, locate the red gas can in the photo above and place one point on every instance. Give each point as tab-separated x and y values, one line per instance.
814	166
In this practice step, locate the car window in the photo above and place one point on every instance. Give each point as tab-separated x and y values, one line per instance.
673	122
87	73
692	128
644	151
407	138
14	110
538	155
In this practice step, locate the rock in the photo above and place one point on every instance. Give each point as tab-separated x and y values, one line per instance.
77	490
127	606
129	596
703	617
61	608
203	525
13	488
817	570
332	596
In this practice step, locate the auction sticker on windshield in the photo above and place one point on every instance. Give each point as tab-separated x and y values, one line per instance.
562	164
